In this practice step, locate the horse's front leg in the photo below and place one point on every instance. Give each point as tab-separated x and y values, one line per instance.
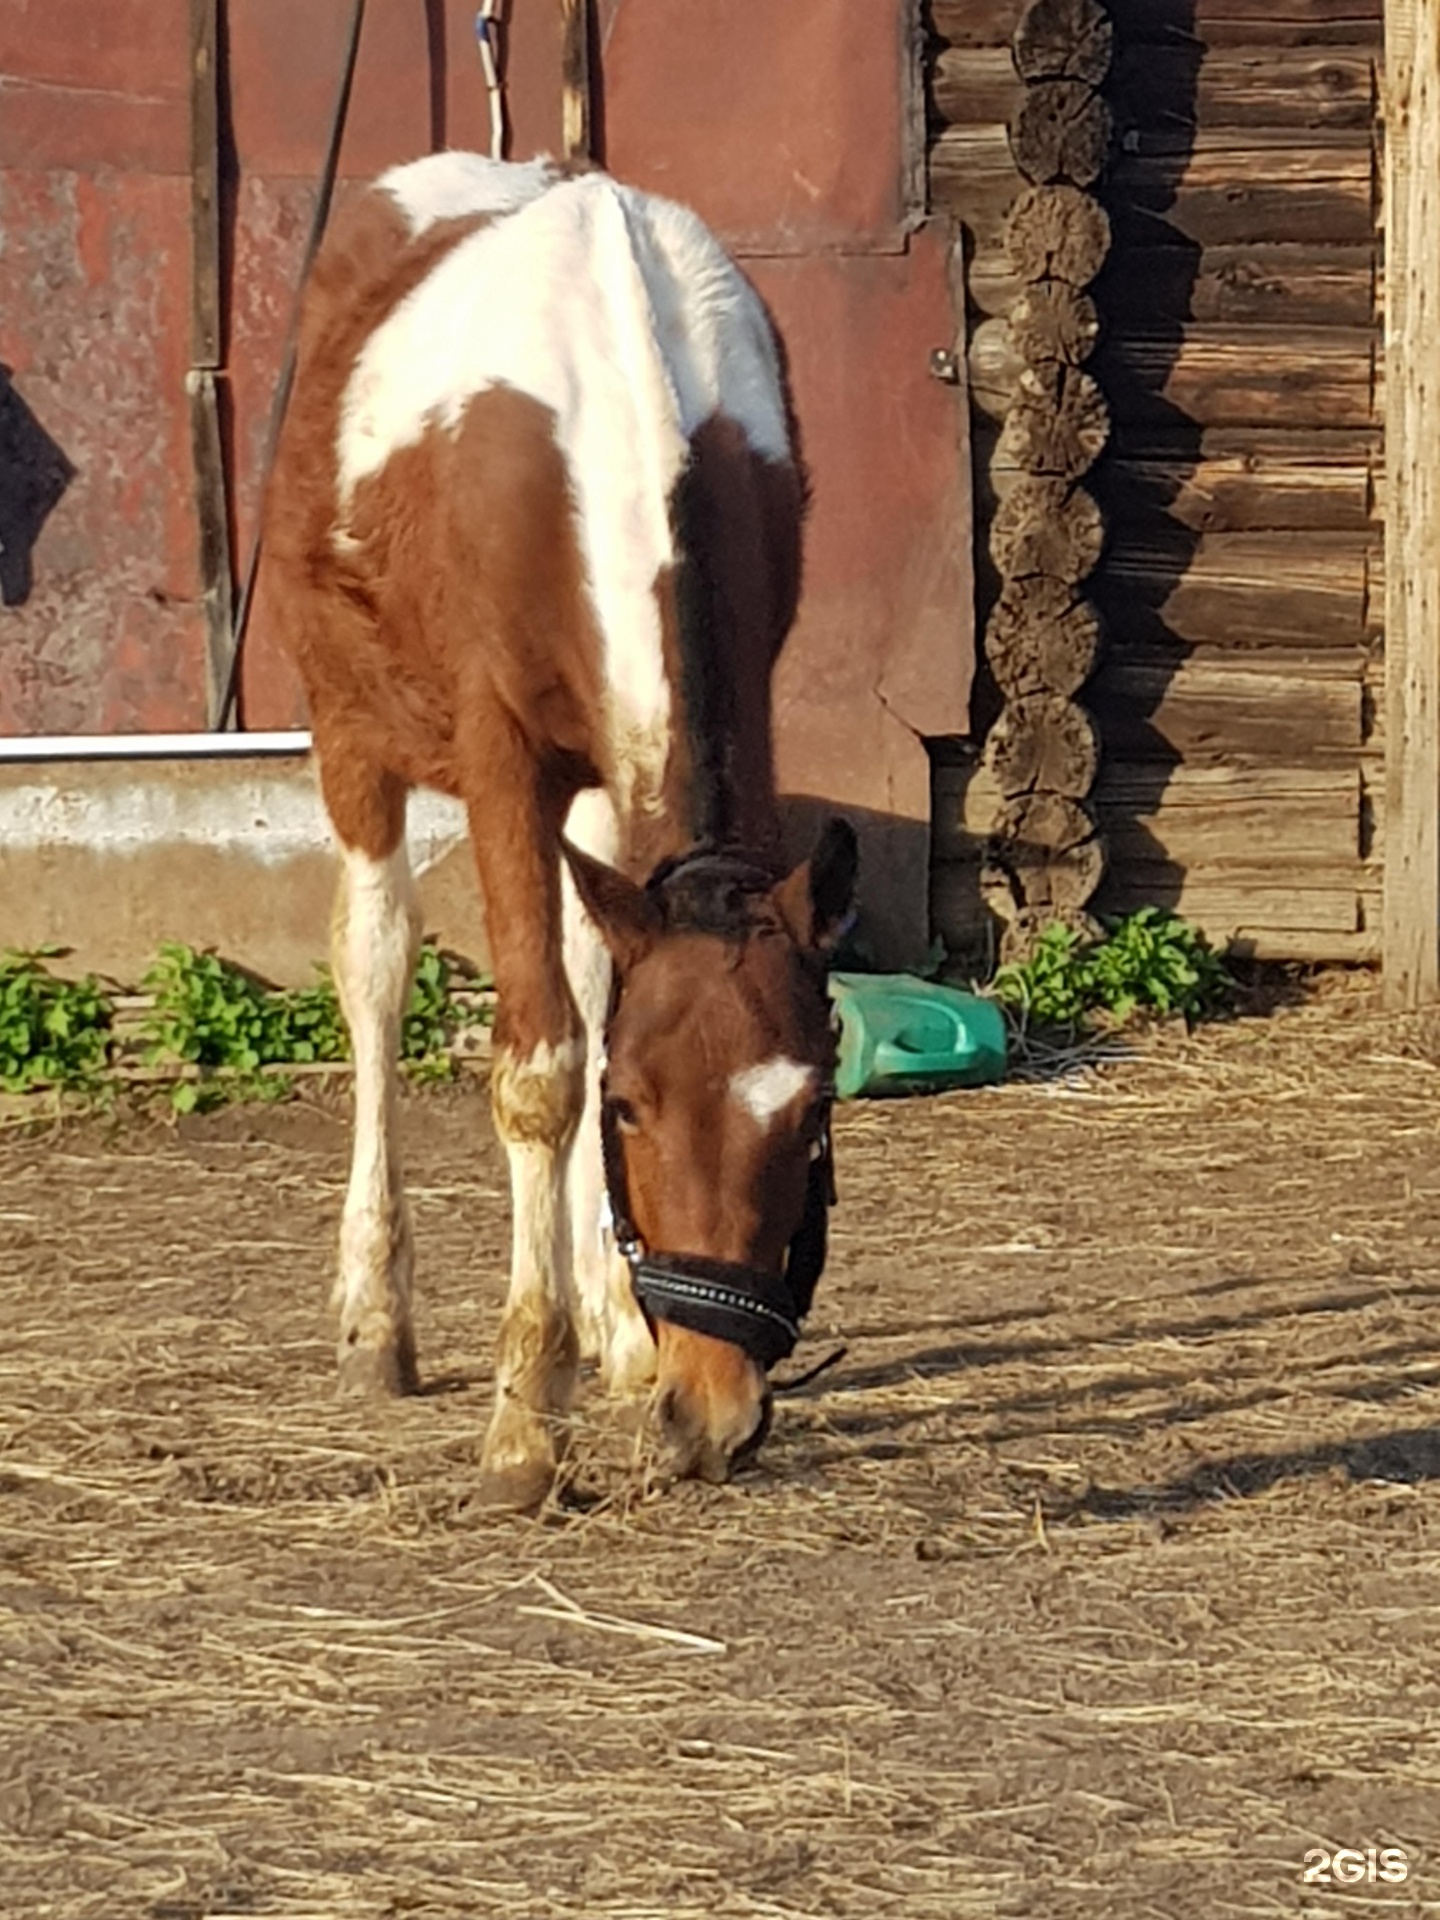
537	1093
374	939
610	1322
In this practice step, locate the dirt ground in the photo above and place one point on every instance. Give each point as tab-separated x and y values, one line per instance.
1101	1576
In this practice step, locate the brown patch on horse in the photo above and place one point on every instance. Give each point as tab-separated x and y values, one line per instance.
465	581
726	607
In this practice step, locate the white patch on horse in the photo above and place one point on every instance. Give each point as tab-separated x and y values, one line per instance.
767	1089
672	335
451	186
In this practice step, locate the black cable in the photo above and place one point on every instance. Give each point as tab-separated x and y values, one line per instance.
287	367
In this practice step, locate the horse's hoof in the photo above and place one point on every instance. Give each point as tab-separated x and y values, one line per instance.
378	1373
521	1488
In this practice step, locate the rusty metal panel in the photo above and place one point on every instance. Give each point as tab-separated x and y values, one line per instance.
883	652
100	627
89	86
418	83
793	127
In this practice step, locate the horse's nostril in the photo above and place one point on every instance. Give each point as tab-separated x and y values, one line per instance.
667	1409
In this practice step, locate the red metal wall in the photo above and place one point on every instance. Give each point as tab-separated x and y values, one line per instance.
794	128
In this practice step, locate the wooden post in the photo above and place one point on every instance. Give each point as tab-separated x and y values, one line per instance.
1411	903
575	82
206	342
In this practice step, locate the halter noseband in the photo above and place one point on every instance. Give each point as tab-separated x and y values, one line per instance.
748	1307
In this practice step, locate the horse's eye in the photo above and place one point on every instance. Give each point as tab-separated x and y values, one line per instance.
623	1114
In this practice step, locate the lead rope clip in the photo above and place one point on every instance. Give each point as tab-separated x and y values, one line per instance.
487	40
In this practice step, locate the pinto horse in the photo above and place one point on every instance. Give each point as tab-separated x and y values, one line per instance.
534	540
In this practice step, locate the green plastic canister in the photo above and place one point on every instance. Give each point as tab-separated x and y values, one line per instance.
899	1035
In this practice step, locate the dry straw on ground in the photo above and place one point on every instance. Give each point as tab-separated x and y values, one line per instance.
1099	1577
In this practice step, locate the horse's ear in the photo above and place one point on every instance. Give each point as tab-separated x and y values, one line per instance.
626	917
815	900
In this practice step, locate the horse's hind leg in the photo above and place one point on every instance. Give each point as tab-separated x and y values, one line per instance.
374	939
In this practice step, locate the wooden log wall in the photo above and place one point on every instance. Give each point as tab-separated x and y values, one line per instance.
1238	601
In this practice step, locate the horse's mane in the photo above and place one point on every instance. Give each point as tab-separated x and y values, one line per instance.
722	891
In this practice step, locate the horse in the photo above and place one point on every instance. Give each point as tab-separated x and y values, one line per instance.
534	540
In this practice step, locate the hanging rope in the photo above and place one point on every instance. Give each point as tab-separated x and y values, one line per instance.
281	401
487	39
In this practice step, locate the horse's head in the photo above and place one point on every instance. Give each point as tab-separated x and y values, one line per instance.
719	1060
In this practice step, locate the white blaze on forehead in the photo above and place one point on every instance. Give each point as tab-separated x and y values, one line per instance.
767	1089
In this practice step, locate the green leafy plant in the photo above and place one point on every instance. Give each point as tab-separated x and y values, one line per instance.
53	1032
430	1020
210	1014
1051	988
1150	962
1155	962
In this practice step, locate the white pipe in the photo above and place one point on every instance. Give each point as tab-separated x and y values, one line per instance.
150	746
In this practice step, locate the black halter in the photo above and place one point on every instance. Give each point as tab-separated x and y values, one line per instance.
758	1311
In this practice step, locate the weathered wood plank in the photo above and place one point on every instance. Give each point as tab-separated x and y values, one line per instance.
207	351
1240	480
1248	922
1280	816
1225	193
1239	590
1305	87
975	23
205	318
1209	706
1240	376
1210	23
1215	23
1411	904
1230	901
1228	189
575	90
973	176
1269	285
216	581
1170	87
1190	816
1207	375
971	86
